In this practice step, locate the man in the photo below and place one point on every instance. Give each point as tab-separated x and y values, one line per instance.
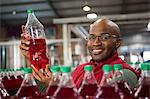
103	42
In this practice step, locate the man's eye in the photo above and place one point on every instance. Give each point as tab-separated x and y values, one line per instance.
91	37
104	37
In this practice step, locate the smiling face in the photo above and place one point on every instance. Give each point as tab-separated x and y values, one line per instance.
103	40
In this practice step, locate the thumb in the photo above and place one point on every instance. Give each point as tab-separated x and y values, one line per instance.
24	29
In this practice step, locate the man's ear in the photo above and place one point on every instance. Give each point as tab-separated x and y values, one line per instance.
118	43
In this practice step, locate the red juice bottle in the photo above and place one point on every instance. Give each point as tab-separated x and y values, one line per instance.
53	84
37	48
124	89
108	88
29	88
89	85
66	88
143	90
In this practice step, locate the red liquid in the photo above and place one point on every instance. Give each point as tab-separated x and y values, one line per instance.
125	91
12	85
145	91
51	90
89	91
38	53
109	92
31	91
66	93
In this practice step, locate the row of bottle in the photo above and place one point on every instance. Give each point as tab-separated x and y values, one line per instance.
11	79
112	84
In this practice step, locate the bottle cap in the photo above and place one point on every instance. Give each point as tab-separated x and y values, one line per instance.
55	69
107	68
131	63
27	70
117	66
88	68
137	63
29	10
18	69
145	66
65	69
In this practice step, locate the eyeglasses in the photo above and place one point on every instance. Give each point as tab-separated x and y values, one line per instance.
102	37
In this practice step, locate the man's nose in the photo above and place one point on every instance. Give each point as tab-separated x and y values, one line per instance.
97	41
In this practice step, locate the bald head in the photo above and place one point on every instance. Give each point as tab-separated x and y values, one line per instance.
106	25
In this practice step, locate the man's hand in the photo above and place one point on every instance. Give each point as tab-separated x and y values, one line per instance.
25	42
42	77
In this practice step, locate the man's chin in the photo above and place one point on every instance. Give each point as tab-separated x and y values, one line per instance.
97	58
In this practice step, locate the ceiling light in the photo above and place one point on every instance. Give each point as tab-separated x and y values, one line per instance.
86	8
91	15
14	12
148	25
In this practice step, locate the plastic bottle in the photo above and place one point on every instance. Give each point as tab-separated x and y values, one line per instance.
89	85
66	88
124	89
29	88
38	53
108	87
53	84
143	91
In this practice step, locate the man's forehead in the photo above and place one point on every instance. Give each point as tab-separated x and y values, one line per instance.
104	27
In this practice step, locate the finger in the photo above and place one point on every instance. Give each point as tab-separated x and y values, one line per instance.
36	76
37	72
25	53
25	43
24	47
25	36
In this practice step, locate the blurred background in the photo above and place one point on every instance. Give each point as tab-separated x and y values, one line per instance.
66	25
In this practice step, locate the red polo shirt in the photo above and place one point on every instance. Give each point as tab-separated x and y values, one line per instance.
78	73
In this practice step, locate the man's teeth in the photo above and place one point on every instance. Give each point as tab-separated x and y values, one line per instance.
97	51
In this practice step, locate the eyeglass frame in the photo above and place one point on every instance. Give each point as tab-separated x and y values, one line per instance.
99	37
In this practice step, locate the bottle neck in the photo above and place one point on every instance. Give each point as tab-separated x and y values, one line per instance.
29	79
107	78
66	80
146	73
56	75
66	74
27	75
88	73
118	73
